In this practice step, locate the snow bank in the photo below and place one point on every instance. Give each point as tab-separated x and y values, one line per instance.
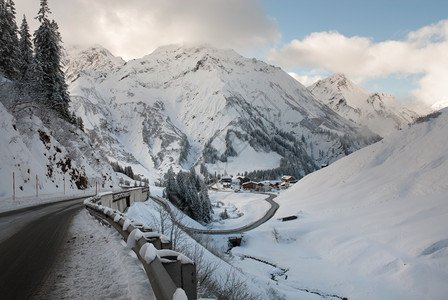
94	263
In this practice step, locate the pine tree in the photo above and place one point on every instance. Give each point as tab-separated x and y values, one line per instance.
48	52
194	179
184	149
192	201
206	205
181	181
33	80
129	172
25	48
80	123
9	42
73	117
170	181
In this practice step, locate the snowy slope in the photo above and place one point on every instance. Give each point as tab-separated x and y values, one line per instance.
53	152
373	225
186	106
379	112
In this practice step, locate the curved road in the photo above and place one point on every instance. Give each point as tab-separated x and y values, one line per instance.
269	214
29	241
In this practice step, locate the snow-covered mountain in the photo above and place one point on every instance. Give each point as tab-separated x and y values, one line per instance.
381	113
191	106
440	105
372	225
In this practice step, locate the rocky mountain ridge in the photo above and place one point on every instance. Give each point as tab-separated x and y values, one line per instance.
380	112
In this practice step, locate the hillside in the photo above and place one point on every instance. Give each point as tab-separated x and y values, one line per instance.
201	106
380	112
49	155
373	225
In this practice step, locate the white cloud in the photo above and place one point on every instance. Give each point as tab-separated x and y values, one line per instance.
306	80
134	28
423	52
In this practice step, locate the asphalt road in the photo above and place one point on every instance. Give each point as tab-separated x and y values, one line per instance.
29	241
269	214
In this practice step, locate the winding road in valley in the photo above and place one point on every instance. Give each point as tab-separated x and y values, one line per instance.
269	214
30	238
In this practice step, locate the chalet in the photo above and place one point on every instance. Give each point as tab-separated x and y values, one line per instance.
284	185
275	184
242	179
264	186
249	185
289	179
226	179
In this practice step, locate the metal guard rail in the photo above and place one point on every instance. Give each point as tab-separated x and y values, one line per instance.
172	275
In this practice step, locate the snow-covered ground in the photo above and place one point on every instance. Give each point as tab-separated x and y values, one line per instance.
226	270
242	208
95	264
372	226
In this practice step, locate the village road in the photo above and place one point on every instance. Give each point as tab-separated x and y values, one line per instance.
269	214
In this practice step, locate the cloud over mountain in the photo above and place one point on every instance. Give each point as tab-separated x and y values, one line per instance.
422	53
135	28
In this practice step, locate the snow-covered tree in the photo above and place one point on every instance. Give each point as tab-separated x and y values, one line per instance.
206	206
48	52
170	181
181	183
9	42
190	194
184	149
80	123
25	47
129	172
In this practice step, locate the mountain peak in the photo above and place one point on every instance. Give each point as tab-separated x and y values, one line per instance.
96	58
177	50
341	82
338	77
380	112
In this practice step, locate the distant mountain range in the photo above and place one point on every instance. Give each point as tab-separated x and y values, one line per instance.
201	106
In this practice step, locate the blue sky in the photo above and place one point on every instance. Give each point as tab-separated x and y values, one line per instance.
380	20
398	47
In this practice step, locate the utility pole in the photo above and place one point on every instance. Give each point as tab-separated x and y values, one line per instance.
64	184
13	186
37	187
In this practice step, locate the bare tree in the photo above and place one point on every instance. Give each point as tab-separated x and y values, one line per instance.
177	234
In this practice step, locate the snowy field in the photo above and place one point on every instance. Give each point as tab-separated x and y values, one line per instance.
242	208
